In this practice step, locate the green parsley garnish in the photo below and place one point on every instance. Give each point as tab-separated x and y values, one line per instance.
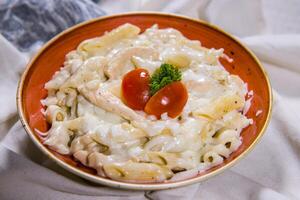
163	76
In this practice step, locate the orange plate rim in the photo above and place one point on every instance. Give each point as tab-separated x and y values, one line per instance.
138	186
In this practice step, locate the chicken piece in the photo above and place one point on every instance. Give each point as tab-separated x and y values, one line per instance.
122	63
90	71
110	103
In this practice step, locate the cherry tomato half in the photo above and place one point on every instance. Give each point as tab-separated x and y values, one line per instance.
171	99
135	88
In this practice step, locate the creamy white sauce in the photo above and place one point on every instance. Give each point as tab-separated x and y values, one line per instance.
101	132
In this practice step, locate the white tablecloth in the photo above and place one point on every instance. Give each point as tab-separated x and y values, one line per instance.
271	171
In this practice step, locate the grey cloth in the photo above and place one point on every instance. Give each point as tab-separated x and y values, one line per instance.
25	22
270	171
37	182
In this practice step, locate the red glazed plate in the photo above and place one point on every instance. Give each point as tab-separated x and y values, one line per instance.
51	57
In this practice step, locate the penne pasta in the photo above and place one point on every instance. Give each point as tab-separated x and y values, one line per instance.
96	46
197	119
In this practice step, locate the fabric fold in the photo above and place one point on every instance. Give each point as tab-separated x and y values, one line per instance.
270	171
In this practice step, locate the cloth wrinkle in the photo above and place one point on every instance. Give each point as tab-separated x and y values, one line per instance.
270	29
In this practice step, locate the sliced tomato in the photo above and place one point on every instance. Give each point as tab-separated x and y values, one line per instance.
171	99
135	88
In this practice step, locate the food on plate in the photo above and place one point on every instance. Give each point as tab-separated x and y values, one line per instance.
135	88
170	99
145	107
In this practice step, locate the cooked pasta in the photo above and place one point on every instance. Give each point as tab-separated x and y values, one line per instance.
91	121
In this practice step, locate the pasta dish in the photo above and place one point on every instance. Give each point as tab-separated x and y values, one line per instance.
145	107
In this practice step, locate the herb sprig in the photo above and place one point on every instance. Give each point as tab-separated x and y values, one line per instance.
163	76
